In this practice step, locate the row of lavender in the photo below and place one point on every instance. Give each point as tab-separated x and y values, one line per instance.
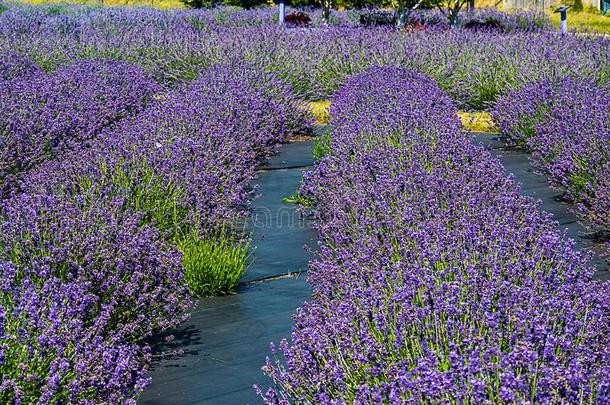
474	68
437	281
566	126
108	179
519	20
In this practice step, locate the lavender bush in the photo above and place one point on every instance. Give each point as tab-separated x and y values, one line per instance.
436	280
566	126
222	16
188	158
82	285
44	116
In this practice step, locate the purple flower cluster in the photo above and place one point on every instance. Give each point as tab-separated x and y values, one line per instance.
14	66
566	125
436	280
45	115
88	245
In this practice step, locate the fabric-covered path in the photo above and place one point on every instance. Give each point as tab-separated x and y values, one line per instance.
225	341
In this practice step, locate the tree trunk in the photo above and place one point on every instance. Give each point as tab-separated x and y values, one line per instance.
400	18
454	18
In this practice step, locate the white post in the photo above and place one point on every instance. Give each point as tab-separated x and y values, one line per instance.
282	12
563	10
564	24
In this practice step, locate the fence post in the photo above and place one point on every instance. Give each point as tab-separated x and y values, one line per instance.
564	18
282	12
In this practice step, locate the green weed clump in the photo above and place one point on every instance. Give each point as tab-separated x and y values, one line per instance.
213	264
298	199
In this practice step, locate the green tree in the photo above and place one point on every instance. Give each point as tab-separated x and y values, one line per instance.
300	3
199	3
577	6
363	4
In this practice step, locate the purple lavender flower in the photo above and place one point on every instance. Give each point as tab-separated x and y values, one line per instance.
197	146
474	68
15	66
81	288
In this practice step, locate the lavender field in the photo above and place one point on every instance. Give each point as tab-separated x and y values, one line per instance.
132	143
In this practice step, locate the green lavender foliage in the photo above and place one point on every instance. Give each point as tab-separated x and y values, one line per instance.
321	146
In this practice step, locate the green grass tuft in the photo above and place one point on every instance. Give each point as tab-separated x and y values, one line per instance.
213	264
